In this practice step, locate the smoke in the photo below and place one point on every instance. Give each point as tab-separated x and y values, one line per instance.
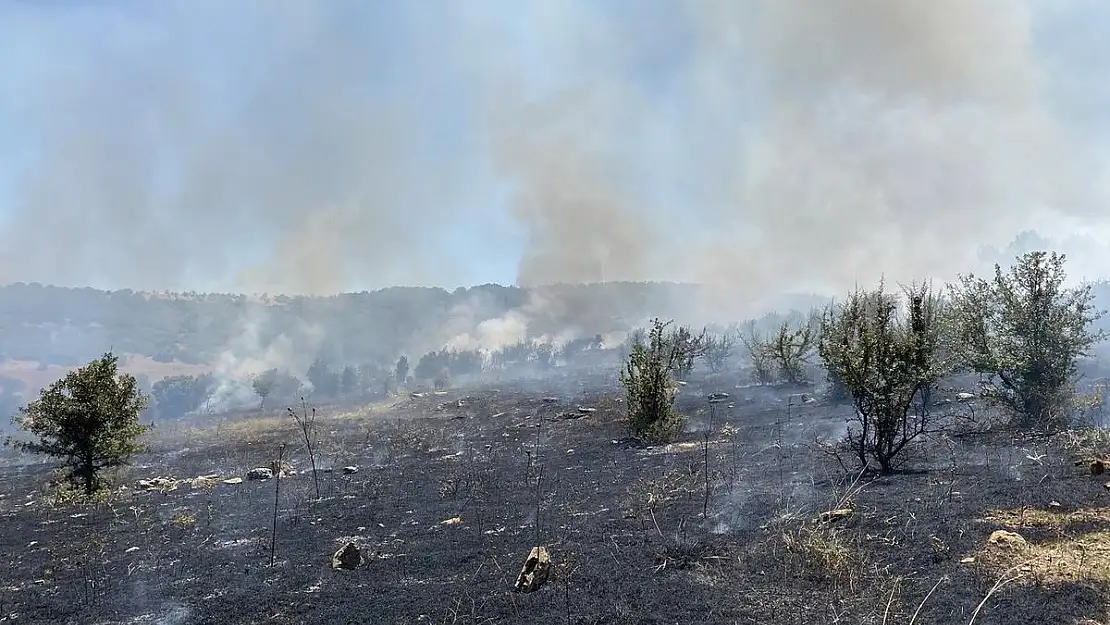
258	348
752	146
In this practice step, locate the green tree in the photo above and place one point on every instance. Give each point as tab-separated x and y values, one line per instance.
325	381
648	379
264	384
1025	333
178	395
89	419
887	352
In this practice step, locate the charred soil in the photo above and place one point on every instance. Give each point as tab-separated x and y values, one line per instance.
446	494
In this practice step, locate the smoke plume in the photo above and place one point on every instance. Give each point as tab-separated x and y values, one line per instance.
754	146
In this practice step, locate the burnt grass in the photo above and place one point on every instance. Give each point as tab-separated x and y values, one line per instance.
623	522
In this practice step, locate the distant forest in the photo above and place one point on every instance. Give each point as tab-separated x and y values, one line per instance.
70	326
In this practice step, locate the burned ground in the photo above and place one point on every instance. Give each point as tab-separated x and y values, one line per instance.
453	490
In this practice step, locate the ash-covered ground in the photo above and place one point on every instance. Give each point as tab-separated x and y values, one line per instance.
453	489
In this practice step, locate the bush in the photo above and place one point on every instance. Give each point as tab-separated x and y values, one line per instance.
885	355
648	381
1025	333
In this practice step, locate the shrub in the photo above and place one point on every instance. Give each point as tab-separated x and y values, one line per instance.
885	355
1025	333
648	381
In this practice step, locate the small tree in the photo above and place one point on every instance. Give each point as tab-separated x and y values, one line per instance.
718	349
263	384
650	389
687	347
760	354
1024	333
89	418
886	355
790	350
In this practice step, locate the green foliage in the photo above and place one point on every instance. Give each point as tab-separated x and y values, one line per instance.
1025	332
785	355
324	380
178	395
649	385
448	363
887	352
687	347
274	383
89	419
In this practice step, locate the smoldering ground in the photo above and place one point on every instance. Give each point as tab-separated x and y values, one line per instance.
752	146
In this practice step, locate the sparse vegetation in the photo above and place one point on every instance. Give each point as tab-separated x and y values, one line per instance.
89	419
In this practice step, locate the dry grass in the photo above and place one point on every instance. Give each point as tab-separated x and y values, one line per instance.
1060	546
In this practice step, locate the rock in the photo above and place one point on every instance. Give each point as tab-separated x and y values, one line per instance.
452	521
204	481
536	571
1006	538
417	395
1098	467
285	468
585	410
349	557
232	481
963	397
260	473
832	516
351	470
550	400
716	398
157	483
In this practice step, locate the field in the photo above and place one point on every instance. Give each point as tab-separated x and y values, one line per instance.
452	491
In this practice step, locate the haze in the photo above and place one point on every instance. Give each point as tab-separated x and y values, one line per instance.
756	145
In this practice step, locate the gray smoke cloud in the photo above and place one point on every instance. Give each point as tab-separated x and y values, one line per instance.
755	146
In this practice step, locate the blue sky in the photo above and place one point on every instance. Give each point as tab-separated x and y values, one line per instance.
340	145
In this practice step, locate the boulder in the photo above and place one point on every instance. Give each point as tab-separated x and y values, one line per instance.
284	468
260	473
1004	538
351	470
536	571
349	557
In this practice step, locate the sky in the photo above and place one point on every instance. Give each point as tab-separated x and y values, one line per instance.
288	146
